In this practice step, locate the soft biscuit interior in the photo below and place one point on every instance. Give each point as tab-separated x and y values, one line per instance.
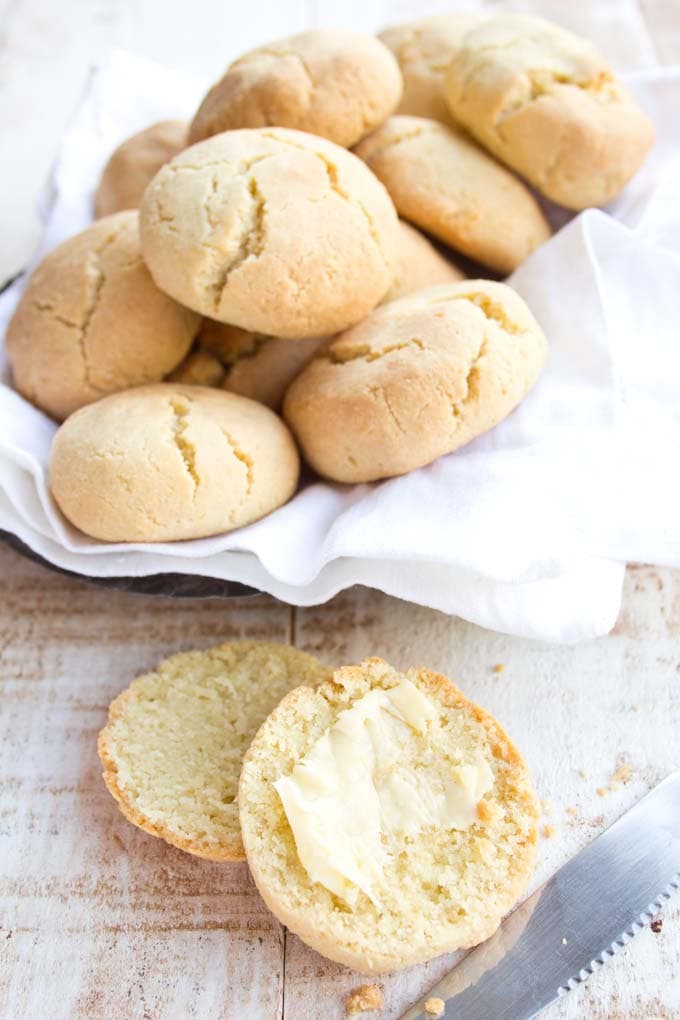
173	745
436	886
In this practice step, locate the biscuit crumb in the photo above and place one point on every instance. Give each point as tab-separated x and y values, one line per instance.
499	667
363	999
622	774
601	791
564	942
583	774
571	810
434	1006
656	925
548	831
547	806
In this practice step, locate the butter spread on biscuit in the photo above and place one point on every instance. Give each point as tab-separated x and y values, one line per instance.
371	779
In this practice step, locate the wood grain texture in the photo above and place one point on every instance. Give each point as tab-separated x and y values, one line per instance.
99	920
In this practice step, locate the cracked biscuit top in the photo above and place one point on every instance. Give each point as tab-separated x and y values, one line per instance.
92	321
424	49
546	102
330	82
442	181
276	231
419	378
167	462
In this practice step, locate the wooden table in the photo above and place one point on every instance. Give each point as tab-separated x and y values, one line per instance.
102	921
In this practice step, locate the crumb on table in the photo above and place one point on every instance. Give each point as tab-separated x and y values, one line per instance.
434	1006
548	831
498	668
583	774
571	810
656	925
601	791
621	774
363	999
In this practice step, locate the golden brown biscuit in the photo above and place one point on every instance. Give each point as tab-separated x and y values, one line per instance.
175	738
432	887
275	231
92	321
418	265
546	102
416	379
329	82
134	163
424	50
168	462
446	184
199	368
256	366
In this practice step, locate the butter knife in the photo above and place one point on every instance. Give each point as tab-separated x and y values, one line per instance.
575	922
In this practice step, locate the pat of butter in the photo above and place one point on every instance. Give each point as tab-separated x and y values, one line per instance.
370	780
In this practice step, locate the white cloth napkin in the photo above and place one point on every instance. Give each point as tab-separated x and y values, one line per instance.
527	529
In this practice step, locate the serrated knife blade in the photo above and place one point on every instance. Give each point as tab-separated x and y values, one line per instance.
567	928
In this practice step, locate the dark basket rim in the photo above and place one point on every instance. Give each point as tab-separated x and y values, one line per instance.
167	585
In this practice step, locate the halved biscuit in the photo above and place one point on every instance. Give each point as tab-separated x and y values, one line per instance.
174	741
386	819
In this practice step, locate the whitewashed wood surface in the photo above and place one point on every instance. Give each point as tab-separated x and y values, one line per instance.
100	920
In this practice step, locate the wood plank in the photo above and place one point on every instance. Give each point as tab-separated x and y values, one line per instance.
594	707
98	918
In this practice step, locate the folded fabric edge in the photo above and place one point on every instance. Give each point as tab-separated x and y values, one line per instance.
579	605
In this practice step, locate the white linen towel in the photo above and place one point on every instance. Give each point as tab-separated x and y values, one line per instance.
527	529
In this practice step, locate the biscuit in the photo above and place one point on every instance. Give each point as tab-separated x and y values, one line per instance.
167	462
424	49
418	265
436	889
134	163
256	366
174	740
548	105
275	231
199	368
92	321
418	378
446	184
329	82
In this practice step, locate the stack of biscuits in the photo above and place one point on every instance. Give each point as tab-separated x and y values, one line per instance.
283	276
